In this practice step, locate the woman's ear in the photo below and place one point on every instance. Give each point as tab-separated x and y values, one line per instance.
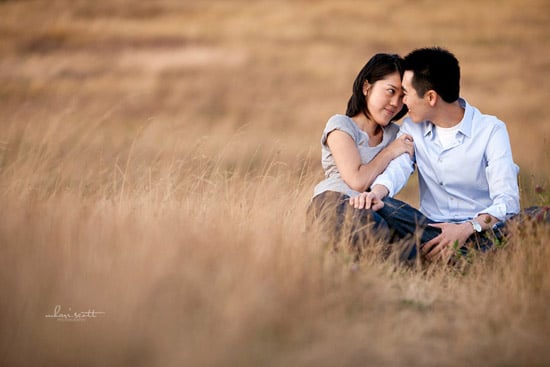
366	87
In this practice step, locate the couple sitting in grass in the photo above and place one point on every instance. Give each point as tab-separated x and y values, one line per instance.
467	177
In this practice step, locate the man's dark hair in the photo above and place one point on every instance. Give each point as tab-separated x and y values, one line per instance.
377	68
434	69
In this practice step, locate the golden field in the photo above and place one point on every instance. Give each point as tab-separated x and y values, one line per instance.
157	159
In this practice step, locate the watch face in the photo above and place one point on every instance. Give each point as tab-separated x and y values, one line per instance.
477	226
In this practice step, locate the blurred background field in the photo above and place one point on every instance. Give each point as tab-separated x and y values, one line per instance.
157	157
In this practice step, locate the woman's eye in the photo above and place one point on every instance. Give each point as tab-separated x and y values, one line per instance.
391	91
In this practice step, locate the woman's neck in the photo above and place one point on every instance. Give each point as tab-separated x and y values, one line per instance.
373	130
367	125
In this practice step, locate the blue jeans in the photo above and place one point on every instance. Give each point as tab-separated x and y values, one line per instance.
338	220
410	225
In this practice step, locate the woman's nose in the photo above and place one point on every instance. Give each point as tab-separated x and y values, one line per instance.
396	100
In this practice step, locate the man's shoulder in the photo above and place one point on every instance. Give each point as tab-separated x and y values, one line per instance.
410	126
487	119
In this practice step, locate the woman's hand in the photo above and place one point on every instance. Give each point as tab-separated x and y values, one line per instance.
370	200
403	144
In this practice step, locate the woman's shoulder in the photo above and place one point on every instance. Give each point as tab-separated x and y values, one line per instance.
341	121
392	127
340	118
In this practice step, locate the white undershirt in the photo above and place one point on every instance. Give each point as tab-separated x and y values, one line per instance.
447	135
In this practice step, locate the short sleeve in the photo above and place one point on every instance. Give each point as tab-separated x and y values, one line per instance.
342	123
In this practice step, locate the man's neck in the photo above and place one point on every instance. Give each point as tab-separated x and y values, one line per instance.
448	114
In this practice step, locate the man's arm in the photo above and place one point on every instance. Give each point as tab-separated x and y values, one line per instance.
389	182
396	175
454	234
398	171
502	175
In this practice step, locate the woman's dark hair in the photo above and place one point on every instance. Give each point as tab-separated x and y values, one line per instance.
377	68
434	69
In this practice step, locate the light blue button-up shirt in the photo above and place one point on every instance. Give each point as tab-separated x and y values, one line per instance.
475	175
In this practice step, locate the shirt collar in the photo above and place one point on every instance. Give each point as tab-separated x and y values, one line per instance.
465	123
428	128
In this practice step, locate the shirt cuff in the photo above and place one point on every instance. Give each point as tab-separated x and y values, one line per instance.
386	183
498	211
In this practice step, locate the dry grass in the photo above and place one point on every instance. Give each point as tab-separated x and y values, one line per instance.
156	161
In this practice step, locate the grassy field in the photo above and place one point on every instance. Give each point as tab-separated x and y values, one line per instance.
157	158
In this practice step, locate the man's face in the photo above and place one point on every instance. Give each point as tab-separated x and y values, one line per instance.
418	106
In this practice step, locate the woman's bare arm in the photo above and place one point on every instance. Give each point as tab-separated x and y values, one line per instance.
360	176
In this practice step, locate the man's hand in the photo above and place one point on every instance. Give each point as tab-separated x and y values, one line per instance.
453	236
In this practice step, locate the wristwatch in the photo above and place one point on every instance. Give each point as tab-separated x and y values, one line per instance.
476	225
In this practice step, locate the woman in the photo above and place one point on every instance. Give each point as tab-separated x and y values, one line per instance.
357	147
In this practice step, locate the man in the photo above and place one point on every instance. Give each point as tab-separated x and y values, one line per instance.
467	177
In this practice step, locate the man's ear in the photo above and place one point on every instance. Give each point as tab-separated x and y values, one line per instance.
432	97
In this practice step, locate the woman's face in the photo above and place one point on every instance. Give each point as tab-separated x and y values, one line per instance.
384	98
